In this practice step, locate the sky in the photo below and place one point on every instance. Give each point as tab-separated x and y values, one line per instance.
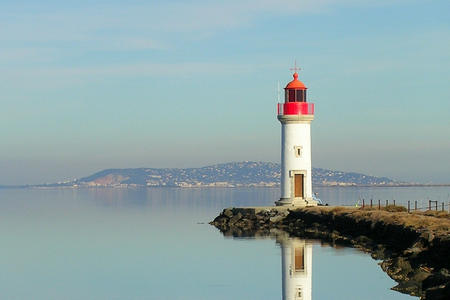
90	85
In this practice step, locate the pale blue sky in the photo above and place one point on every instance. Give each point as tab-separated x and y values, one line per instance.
189	83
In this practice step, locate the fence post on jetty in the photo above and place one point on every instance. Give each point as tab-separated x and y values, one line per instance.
394	201
408	206
442	206
429	204
415	205
370	202
363	203
387	203
379	204
436	204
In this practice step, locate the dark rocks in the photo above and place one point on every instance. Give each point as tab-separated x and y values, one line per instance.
276	219
239	222
441	292
228	213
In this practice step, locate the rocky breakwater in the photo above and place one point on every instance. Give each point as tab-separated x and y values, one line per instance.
414	248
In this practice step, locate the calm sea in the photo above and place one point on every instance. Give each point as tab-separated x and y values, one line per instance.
156	244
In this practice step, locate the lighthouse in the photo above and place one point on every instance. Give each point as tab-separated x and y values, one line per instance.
296	115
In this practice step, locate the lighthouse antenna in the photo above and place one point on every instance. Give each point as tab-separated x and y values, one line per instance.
278	92
295	68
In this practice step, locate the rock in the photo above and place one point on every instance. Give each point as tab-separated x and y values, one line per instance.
414	251
407	287
438	293
427	236
276	219
445	272
235	218
434	280
362	239
228	212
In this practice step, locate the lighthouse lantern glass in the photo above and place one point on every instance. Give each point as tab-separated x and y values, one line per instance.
295	95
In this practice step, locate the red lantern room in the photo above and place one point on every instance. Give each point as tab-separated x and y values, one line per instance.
295	91
295	99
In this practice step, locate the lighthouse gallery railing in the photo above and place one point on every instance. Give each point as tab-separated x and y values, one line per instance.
296	108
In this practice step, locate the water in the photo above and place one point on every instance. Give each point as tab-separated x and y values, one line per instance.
156	244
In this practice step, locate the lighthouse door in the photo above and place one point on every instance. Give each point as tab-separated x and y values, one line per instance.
298	183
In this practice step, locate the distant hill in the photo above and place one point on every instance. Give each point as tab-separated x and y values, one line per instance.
234	174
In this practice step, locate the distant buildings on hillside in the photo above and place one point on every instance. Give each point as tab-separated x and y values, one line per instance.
237	174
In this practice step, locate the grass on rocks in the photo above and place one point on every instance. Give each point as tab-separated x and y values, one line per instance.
437	222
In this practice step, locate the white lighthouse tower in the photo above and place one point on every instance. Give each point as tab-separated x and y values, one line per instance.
296	115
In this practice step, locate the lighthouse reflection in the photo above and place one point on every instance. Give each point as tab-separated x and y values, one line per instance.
296	268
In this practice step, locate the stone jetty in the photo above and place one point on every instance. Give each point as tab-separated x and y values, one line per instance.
414	247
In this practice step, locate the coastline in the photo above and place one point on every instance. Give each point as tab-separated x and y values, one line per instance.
413	247
134	186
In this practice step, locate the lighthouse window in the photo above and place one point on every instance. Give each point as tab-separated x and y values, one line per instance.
295	96
298	151
300	96
290	94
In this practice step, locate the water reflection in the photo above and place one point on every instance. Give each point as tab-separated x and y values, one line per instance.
296	268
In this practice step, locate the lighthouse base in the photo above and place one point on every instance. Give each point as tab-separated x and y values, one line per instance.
297	202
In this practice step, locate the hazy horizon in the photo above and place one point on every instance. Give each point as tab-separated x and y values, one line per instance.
91	86
199	167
